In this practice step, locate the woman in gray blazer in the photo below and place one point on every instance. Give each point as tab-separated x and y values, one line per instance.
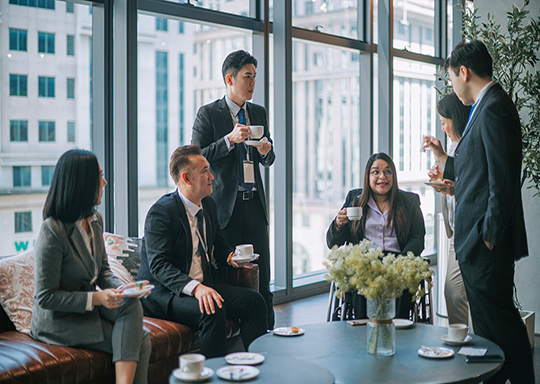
69	309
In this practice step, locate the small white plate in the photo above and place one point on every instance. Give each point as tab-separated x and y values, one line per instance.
237	372
434	183
244	358
254	142
435	352
403	323
133	292
287	331
240	259
456	343
206	373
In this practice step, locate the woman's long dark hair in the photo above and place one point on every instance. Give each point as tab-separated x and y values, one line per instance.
397	215
74	188
452	108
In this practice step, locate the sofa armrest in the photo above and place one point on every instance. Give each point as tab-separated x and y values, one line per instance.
247	276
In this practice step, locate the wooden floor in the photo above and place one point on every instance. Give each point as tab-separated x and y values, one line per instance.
314	309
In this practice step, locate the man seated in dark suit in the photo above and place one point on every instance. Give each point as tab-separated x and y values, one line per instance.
184	255
221	129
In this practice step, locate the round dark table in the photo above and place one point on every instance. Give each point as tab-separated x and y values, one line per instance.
341	349
274	370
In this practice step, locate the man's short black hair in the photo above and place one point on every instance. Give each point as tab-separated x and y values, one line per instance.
235	61
181	160
473	55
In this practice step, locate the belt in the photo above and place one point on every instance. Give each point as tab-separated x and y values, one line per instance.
246	195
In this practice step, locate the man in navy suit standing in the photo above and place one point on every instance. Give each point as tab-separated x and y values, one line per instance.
489	224
221	129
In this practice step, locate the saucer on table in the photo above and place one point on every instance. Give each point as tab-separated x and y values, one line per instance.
206	373
287	331
244	358
237	372
402	323
240	259
456	343
435	352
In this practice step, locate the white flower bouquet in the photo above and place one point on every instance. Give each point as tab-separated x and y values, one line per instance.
374	274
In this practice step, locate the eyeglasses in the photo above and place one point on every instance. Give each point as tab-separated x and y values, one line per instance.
377	173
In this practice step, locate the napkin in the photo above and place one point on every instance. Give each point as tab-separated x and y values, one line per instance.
470	351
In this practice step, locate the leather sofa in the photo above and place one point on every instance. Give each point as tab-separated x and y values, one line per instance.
25	360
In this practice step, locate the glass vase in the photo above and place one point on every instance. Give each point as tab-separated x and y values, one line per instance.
380	328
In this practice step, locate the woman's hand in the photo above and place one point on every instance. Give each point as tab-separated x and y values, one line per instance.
438	151
341	219
447	189
435	173
109	298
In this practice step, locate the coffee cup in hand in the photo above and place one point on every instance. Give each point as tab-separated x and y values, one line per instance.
191	365
244	251
354	213
256	131
457	332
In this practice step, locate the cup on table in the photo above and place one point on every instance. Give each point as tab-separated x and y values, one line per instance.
354	213
245	251
191	365
256	131
457	332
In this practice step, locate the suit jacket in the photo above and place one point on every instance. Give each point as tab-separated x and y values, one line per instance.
417	232
487	170
212	123
167	248
64	269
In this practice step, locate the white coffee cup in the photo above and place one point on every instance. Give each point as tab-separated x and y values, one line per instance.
256	131
191	365
245	251
457	332
354	213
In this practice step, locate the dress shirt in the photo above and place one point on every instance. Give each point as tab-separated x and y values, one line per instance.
477	101
377	231
195	272
89	245
234	109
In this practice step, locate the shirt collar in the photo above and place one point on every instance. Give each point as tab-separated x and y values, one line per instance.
191	207
481	95
373	205
233	106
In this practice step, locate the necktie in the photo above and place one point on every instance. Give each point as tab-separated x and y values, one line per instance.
471	112
242	153
202	246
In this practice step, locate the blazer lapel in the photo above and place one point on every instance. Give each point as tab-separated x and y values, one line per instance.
228	124
477	111
80	247
182	215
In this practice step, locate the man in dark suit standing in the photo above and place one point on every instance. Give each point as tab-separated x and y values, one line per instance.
221	129
184	255
489	225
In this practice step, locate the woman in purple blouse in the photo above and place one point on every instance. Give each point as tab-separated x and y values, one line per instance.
391	219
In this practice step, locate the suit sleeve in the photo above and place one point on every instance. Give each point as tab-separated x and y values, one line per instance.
50	249
159	241
448	173
339	238
203	136
417	231
502	142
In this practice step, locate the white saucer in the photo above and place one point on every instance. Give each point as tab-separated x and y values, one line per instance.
456	343
434	183
240	259
244	358
287	331
436	352
134	292
237	372
254	142
206	373
403	323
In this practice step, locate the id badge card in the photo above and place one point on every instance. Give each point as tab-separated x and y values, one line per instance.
249	172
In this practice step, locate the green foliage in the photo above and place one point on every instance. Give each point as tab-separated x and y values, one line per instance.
515	53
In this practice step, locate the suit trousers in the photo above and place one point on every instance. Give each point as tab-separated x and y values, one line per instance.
489	282
242	304
454	291
248	225
124	337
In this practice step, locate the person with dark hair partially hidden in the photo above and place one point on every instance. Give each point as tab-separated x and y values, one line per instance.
489	224
71	263
391	219
184	254
221	129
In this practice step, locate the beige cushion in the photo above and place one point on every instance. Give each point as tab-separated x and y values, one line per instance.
17	286
118	269
126	250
